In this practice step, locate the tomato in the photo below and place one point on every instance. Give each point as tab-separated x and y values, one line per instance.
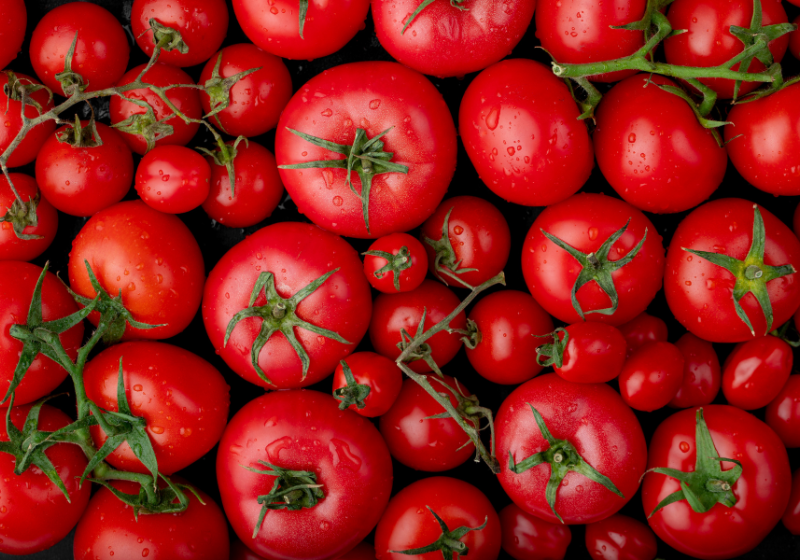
791	519
783	413
82	179
258	188
149	257
526	537
642	329
408	266
395	312
199	533
756	372
17	282
512	114
409	522
281	29
585	353
12	248
652	149
467	240
11	36
34	513
202	25
510	324
703	295
620	537
326	323
586	222
590	421
446	39
101	51
28	148
185	99
372	370
419	441
416	153
652	376
709	42
760	492
338	449
701	373
173	179
762	136
256	100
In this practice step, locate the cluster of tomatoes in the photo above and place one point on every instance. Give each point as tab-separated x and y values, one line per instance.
218	312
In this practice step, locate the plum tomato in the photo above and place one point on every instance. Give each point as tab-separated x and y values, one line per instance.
373	384
652	376
526	537
12	36
791	518
173	179
587	352
756	371
620	537
395	263
12	247
701	373
783	413
642	329
11	86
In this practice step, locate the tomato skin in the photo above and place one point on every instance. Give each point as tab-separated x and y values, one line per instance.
620	537
12	36
526	537
458	503
304	430
761	491
411	277
701	373
12	248
604	431
199	533
509	322
699	293
34	514
506	150
173	179
380	373
652	149
444	41
29	147
595	353
652	376
585	221
151	257
756	372
791	518
17	282
783	413
642	329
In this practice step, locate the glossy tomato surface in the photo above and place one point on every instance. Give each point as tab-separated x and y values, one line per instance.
526	537
783	413
11	246
651	377
756	371
173	179
620	537
702	375
11	36
594	353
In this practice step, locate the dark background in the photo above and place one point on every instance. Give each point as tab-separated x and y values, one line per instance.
215	240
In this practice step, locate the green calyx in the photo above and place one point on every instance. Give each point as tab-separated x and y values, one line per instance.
353	393
445	260
425	4
365	156
420	351
449	542
21	90
279	315
225	154
597	267
751	274
167	38
171	499
71	82
21	215
146	124
707	485
218	90
552	354
562	457
395	264
79	136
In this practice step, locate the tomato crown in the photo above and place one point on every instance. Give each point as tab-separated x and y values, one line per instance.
425	4
449	542
445	261
394	263
353	393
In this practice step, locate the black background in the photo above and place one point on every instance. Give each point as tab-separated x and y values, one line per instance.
215	240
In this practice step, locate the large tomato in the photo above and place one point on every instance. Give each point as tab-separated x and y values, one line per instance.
26	150
11	246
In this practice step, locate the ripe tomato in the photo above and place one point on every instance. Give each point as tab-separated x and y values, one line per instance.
149	257
12	248
642	329
620	537
306	431
756	371
652	149
587	352
701	373
295	255
791	518
417	149
82	179
372	370
526	537
589	420
652	376
520	129
409	523
467	240
783	413
28	148
408	266
448	40
11	36
587	222
173	179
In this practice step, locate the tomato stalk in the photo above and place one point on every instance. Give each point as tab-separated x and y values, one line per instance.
449	542
445	261
353	393
394	263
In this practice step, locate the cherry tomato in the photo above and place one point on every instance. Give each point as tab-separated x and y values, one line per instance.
791	519
526	537
173	179
28	148
642	329
783	413
756	372
12	248
407	269
11	36
652	376
593	353
620	537
380	374
701	373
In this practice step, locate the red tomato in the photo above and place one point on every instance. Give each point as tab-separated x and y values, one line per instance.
756	372
474	245
256	100
407	268
597	425
783	413
377	98
510	324
199	533
276	27
529	113
202	24
82	180
296	255
526	537
620	537
12	248
17	282
302	430
760	493
791	519
701	373
34	514
447	40
593	353
101	51
409	523
150	257
652	149
652	376
29	147
585	222
173	179
380	374
11	36
642	329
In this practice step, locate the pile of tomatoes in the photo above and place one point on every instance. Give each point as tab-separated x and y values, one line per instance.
321	326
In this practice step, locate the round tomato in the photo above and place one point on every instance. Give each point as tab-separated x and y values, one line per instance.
11	36
526	537
28	148
408	266
11	246
173	179
701	373
302	435
642	329
652	376
620	537
756	371
586	352
353	105
791	518
368	369
783	413
521	131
